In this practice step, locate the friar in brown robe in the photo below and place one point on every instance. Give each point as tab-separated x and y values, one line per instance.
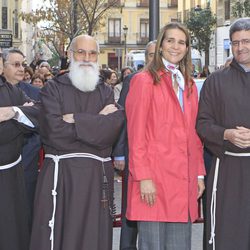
18	117
79	124
224	125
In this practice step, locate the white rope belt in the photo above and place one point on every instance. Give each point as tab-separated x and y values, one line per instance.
213	200
11	164
56	159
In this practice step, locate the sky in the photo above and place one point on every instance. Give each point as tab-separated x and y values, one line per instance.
38	3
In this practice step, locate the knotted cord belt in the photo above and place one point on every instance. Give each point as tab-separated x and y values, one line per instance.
56	159
3	167
213	200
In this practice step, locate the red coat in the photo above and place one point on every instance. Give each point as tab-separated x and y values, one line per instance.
164	147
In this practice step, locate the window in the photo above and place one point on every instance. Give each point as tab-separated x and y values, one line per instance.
144	28
227	9
172	3
115	2
143	35
114	30
5	3
143	3
16	30
4	17
15	21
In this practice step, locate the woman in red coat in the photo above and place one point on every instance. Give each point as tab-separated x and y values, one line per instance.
165	153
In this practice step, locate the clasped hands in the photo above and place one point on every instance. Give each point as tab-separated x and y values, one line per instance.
240	136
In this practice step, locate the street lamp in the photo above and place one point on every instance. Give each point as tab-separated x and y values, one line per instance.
125	32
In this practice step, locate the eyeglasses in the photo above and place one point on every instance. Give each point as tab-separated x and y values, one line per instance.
17	64
236	43
83	53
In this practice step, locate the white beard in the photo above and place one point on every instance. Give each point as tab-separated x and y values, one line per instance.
84	75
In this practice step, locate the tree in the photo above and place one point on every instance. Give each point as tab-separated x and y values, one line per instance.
65	19
201	24
241	8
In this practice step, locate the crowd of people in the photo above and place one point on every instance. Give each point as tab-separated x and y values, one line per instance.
148	123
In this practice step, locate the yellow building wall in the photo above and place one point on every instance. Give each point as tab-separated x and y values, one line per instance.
130	15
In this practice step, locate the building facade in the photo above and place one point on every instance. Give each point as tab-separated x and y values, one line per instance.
28	33
127	28
10	30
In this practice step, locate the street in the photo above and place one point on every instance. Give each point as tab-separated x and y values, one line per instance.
197	229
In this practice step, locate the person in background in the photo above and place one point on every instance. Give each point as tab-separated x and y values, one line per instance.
32	144
18	117
78	126
118	87
128	236
113	78
105	74
48	76
194	73
28	73
165	153
205	72
44	64
43	69
126	71
223	124
38	80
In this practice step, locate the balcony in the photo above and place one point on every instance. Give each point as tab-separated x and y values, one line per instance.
113	40
141	40
142	3
173	4
113	3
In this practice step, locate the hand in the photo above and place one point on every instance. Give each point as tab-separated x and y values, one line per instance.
108	109
6	113
240	136
69	118
201	187
148	192
119	164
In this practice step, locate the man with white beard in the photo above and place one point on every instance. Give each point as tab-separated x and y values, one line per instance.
79	124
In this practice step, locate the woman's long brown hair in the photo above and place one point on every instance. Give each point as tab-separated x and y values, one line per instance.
184	65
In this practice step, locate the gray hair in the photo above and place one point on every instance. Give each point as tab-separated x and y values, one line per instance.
72	44
238	25
148	45
7	52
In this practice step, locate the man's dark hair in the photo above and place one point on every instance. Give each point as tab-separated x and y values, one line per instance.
7	52
238	25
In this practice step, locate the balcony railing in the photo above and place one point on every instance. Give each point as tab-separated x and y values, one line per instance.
173	4
142	3
142	40
114	40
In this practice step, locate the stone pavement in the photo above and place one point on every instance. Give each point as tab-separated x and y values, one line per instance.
197	229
